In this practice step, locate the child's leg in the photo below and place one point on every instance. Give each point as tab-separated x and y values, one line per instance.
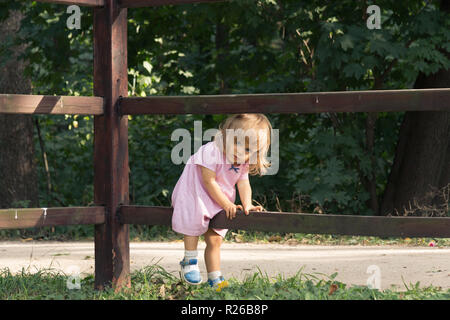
212	258
190	247
189	265
190	242
212	250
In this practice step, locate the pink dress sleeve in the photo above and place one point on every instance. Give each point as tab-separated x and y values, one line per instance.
207	156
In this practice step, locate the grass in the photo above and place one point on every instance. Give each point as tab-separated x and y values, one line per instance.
155	283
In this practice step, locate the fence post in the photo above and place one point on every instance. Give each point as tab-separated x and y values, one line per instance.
112	256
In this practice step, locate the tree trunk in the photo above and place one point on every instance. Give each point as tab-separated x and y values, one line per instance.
222	47
422	160
18	187
421	164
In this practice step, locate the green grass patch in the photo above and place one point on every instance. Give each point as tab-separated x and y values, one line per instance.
155	283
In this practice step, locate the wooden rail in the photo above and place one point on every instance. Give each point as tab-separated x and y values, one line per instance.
154	3
38	104
303	222
41	217
146	215
343	101
87	3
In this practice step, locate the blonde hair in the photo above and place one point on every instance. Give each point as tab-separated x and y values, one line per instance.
248	122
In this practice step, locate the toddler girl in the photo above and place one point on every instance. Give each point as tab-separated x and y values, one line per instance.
207	186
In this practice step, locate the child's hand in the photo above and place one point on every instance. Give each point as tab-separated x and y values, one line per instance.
252	208
230	209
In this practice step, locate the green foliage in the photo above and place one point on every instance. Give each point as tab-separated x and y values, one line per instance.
330	161
69	150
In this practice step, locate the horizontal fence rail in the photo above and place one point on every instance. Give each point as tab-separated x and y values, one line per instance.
42	217
343	101
146	215
130	3
39	104
303	222
154	3
88	3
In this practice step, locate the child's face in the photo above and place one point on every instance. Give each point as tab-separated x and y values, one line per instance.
239	153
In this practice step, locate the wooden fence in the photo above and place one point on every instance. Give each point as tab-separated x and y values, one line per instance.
110	106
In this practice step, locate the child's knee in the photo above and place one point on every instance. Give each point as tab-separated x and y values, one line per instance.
213	239
214	242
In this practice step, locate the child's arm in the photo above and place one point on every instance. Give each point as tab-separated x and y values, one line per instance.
209	181
245	193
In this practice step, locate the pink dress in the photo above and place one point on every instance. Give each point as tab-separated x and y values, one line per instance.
192	205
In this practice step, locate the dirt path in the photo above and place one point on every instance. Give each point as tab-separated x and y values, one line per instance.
425	264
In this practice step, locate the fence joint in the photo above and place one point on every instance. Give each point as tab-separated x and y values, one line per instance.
118	213
118	106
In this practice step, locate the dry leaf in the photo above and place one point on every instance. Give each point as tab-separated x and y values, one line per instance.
318	210
292	241
237	237
162	291
274	238
333	288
